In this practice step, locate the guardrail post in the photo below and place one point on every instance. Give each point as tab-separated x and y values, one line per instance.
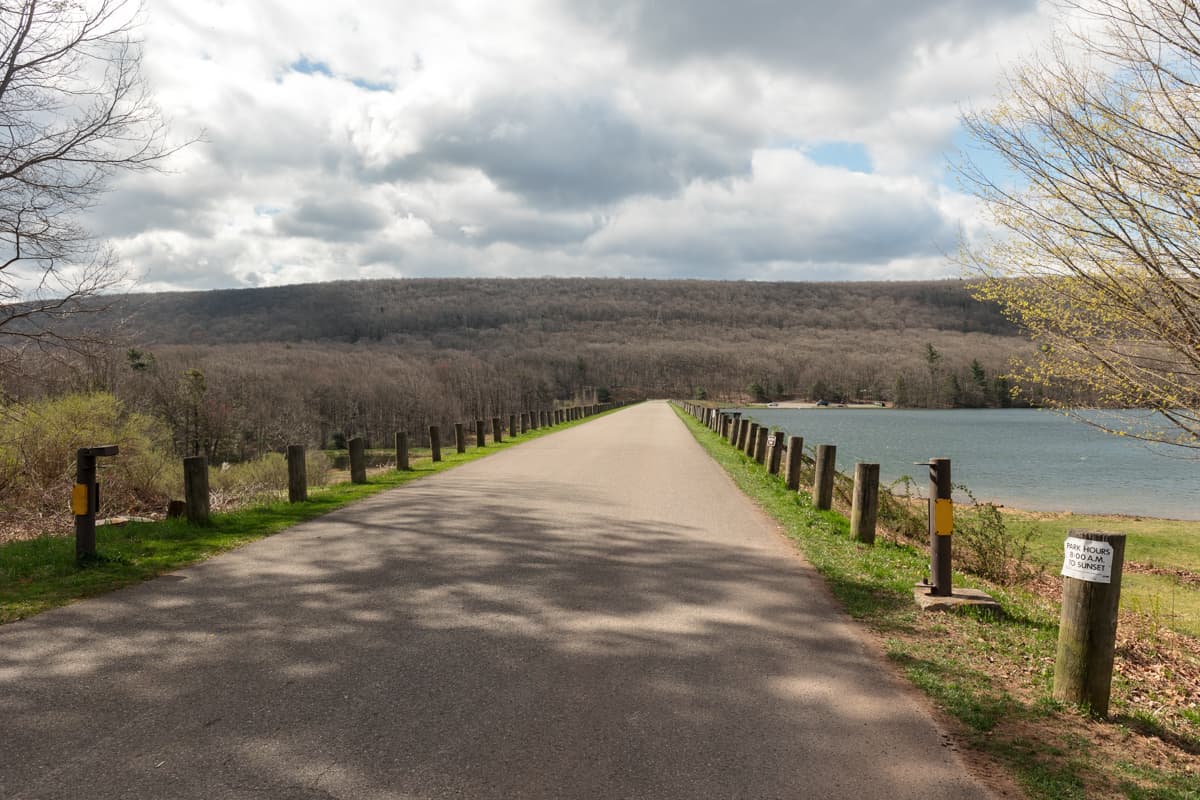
435	443
297	474
195	489
775	448
795	461
750	439
402	450
497	431
358	459
826	468
1087	632
865	507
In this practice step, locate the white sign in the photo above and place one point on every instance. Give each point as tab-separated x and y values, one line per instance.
771	440
1087	560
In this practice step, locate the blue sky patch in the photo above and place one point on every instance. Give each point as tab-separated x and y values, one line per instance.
847	155
307	67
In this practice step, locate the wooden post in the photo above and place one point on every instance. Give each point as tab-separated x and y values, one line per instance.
480	433
941	527
749	438
823	476
1087	630
497	431
760	444
195	489
865	508
795	461
735	430
297	474
512	425
775	451
460	437
524	422
358	459
435	443
402	450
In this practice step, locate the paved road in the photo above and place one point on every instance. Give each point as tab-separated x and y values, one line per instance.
596	614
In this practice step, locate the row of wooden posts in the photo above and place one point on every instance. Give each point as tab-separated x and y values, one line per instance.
1088	620
196	503
780	453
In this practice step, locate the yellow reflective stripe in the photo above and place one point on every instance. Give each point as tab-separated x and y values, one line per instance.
943	517
79	499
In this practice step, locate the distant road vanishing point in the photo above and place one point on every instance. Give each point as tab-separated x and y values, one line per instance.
598	613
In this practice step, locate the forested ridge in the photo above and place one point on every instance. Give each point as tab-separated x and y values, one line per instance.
383	310
236	373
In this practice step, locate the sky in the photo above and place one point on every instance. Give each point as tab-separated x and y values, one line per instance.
751	140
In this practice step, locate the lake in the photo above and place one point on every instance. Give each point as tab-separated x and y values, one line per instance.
1035	460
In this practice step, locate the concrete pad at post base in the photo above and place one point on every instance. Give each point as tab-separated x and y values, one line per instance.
959	599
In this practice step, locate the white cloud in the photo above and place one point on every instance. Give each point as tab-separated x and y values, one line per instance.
555	137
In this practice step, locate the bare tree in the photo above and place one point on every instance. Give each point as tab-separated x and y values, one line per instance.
1100	259
74	110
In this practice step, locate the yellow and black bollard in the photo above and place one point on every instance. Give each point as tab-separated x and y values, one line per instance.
85	498
941	526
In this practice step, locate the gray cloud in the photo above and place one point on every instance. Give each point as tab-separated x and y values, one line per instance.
841	41
560	151
345	220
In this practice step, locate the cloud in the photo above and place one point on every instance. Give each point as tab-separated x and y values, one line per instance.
655	138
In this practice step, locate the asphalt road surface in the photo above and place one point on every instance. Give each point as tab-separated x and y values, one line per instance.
595	614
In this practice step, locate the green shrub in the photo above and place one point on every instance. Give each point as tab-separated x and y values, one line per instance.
38	444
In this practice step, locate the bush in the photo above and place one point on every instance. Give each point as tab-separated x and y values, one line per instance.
984	546
38	443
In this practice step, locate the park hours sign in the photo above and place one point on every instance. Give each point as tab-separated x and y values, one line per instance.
1087	560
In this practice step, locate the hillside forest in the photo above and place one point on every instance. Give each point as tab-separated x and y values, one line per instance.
233	374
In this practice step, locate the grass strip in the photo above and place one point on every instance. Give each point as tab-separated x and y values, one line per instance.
992	675
41	573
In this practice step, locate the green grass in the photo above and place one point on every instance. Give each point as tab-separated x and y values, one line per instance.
41	573
1163	543
956	658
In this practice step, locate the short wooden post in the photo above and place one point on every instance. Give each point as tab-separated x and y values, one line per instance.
749	439
776	443
864	509
525	422
795	462
402	450
297	474
195	489
358	459
435	443
823	477
1087	630
760	444
480	433
512	425
497	431
734	431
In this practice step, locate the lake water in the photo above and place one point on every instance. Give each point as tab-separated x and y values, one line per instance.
1036	460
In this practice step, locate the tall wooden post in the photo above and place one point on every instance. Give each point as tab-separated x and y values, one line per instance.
864	510
823	476
402	450
460	437
795	462
435	443
358	459
195	489
941	527
1087	631
297	474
